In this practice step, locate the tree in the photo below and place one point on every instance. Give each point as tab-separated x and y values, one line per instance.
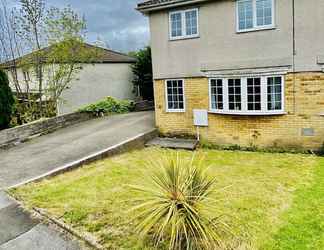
67	51
142	70
54	39
31	20
6	101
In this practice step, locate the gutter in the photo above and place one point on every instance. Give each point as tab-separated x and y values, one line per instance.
161	6
294	52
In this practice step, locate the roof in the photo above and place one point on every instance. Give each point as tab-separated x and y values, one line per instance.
103	56
111	56
150	5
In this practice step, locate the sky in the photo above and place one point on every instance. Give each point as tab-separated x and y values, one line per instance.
115	22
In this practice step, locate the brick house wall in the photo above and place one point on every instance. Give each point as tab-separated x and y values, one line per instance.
301	127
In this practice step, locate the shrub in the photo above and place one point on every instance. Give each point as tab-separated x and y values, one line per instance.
109	105
176	206
6	101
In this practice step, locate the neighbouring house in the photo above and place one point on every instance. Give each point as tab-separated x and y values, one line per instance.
109	74
256	66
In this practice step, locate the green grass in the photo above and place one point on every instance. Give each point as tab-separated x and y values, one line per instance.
304	221
272	201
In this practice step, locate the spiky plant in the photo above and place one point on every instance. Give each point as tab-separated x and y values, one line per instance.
176	206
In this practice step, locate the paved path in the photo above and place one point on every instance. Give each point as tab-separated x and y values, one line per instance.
41	155
54	150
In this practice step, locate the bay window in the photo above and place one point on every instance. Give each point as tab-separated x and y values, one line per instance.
254	14
259	95
216	89
254	93
274	85
234	94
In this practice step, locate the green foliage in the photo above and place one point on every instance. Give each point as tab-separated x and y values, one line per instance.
109	105
274	149
176	206
64	25
321	150
142	70
6	101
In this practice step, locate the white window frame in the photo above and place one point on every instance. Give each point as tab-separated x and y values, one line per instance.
255	26
183	26
244	110
166	97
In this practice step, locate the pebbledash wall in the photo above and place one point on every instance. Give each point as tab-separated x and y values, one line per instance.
301	127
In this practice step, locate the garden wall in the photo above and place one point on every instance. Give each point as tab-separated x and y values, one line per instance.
13	136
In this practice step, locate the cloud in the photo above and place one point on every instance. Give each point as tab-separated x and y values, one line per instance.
116	22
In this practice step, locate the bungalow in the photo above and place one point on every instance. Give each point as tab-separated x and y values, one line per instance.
255	66
108	74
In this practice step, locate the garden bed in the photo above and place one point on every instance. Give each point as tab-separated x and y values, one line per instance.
273	201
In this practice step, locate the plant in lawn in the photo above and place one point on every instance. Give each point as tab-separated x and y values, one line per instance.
176	206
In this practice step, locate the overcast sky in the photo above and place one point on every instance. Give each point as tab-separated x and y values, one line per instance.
114	21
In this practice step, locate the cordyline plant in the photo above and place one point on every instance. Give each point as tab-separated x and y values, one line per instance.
176	206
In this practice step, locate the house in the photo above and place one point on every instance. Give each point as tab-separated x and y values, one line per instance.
256	66
108	74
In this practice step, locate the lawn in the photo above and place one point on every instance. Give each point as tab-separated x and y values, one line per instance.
272	201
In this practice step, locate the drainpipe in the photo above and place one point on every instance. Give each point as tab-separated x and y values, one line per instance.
294	52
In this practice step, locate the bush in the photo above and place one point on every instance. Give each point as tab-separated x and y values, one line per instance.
176	206
6	101
109	105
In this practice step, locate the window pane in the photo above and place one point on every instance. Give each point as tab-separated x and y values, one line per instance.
234	94
245	14
216	94
274	93
264	12
191	23
176	24
175	95
254	93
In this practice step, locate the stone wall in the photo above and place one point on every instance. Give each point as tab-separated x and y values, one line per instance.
10	137
301	127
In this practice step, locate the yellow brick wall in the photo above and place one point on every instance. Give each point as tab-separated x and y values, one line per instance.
303	111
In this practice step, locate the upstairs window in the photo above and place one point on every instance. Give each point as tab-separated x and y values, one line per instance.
259	95
175	96
183	24
255	14
176	25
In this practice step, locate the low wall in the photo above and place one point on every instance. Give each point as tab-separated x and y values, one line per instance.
13	136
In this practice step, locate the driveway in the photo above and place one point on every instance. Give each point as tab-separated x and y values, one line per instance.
44	154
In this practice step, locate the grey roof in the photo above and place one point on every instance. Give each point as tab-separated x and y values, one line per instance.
150	5
104	56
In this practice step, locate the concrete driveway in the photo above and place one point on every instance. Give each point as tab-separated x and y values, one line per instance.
41	155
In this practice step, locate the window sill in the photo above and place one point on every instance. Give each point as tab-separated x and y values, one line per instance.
256	29
184	38
241	113
175	111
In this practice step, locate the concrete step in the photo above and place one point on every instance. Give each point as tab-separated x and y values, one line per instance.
174	143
